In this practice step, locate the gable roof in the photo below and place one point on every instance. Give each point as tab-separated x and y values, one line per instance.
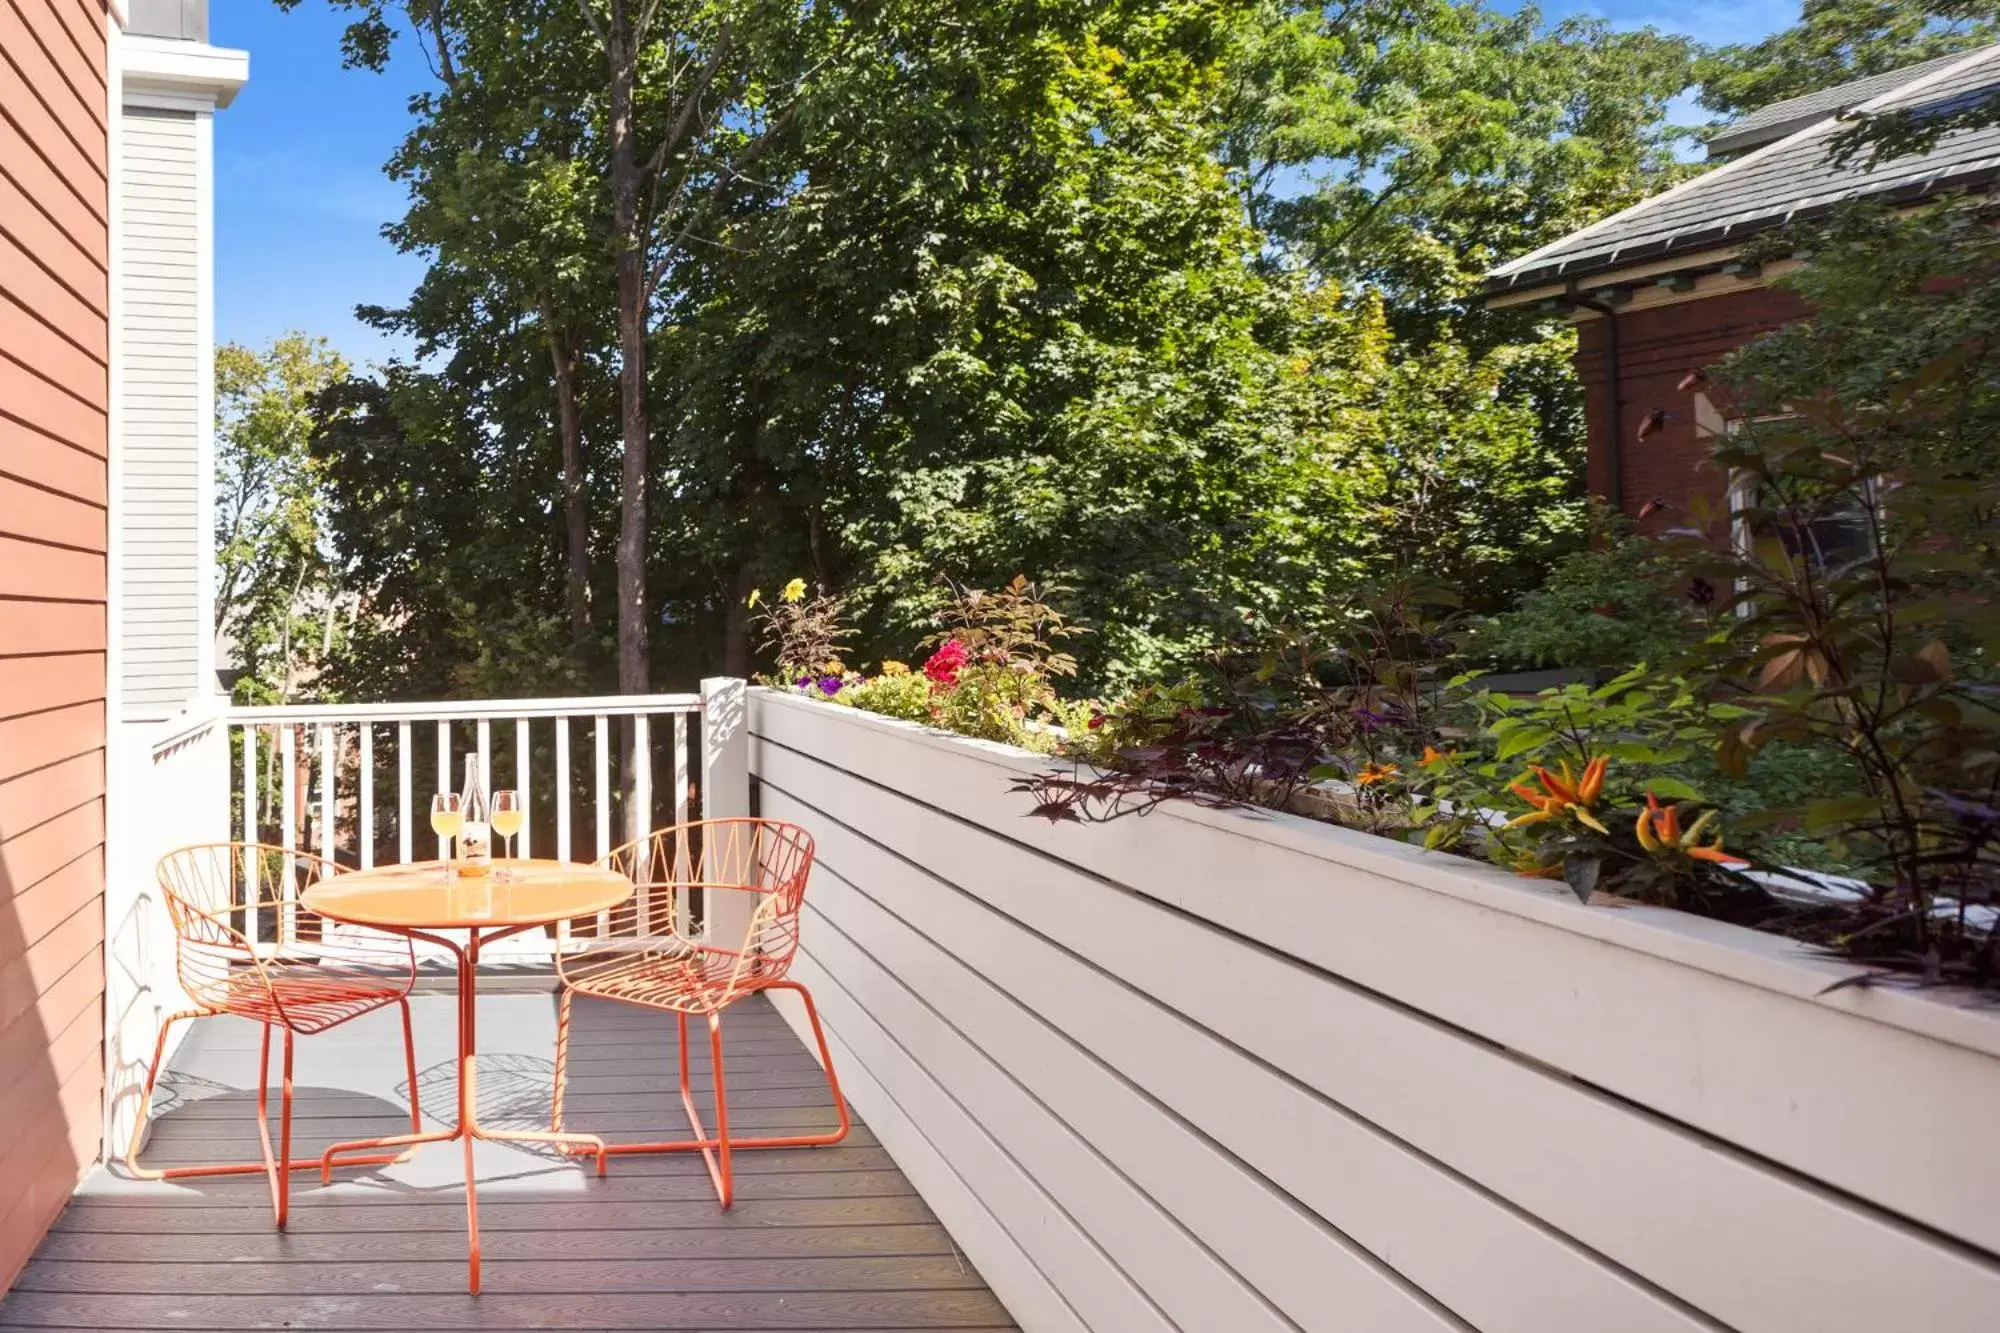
1785	179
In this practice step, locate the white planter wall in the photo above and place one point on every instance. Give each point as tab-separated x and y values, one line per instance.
1219	1070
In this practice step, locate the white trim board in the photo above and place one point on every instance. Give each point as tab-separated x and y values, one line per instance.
202	76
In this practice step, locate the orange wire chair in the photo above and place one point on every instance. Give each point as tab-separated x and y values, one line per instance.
639	955
220	896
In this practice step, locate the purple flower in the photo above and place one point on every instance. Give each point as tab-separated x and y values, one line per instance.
1369	719
829	685
802	682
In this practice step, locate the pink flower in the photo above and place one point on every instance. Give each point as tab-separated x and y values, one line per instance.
944	664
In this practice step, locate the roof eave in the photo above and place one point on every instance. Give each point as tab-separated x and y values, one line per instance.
1708	238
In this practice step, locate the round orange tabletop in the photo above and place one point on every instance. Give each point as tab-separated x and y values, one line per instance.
418	896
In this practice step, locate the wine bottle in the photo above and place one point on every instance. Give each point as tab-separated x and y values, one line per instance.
475	833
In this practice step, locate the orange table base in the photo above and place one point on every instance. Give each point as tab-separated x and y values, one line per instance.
468	1127
416	900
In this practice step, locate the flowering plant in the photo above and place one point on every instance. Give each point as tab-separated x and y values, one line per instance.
1571	832
944	665
806	634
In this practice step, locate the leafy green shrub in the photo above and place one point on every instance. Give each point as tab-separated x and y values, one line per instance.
896	691
1607	607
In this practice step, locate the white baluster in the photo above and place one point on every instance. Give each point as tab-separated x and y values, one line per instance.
250	837
403	831
326	791
642	797
564	849
603	787
288	828
522	785
485	730
684	897
603	805
367	795
444	771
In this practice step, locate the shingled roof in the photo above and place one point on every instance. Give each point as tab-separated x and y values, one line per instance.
1789	178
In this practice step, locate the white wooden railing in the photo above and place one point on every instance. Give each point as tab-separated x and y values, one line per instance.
352	782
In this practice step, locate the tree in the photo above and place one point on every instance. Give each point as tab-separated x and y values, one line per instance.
1410	146
970	288
272	572
1837	41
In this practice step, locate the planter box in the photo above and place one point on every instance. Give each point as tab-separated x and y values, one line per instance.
1237	1070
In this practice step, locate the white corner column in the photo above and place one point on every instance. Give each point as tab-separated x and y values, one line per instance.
164	784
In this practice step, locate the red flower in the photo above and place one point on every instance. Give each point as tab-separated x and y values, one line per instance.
944	664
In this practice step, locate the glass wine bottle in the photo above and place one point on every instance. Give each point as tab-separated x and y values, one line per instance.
475	833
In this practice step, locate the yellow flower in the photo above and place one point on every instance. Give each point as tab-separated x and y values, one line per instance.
894	668
834	667
795	591
1372	773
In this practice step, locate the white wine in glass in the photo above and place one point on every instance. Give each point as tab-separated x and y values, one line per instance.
506	818
446	817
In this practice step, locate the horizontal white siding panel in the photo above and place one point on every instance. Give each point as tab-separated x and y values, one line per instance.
1514	1196
162	400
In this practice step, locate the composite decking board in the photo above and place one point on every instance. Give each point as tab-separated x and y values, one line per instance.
825	1238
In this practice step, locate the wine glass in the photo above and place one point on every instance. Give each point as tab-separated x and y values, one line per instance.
506	816
446	817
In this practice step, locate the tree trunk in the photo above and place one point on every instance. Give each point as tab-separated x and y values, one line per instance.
576	499
634	675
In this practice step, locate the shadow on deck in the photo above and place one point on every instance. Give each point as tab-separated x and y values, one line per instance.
819	1238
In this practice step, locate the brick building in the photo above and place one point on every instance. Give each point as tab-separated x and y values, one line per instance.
1662	288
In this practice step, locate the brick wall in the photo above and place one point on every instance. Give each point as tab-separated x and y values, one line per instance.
1656	347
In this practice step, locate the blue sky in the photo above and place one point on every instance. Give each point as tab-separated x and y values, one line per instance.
300	197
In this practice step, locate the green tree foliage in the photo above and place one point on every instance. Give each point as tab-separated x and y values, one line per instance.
1836	41
1008	286
463	594
1411	146
278	602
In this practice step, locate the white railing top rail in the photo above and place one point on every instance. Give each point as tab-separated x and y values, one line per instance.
607	705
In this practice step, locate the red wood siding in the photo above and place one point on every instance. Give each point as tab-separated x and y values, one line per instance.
1656	347
54	388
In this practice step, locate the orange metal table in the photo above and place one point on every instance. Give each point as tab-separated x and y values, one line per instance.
418	899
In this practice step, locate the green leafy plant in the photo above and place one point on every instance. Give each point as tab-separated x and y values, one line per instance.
894	691
1610	606
806	633
1866	576
1334	720
1014	627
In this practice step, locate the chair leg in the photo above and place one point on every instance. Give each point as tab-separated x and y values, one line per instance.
718	1165
143	1172
718	1151
410	1066
562	1060
280	1176
336	1154
146	1108
825	1062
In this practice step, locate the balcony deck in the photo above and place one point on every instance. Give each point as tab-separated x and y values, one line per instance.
827	1238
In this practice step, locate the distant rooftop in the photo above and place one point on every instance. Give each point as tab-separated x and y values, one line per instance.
1779	120
1783	173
